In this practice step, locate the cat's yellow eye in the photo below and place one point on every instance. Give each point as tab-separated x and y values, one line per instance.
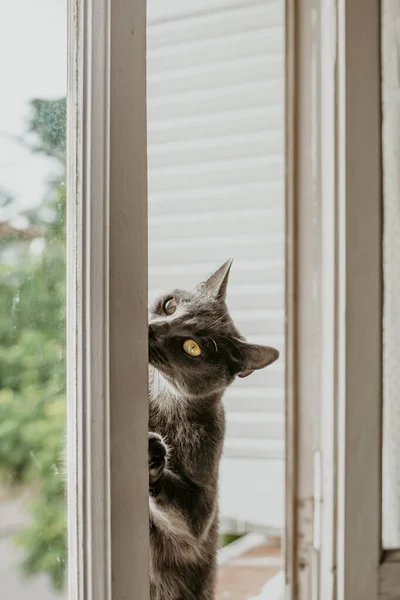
170	306
192	348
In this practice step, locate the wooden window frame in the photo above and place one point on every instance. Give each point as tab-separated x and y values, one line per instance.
107	301
333	386
334	230
365	571
303	295
358	295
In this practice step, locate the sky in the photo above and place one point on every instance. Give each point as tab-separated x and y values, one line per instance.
33	64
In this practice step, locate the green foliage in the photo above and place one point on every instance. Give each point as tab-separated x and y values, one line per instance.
48	123
228	538
32	361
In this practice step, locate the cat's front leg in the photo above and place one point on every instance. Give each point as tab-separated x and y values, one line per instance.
157	459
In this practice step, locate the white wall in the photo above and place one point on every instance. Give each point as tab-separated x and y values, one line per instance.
216	190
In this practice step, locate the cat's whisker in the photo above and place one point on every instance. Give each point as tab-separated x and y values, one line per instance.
218	322
230	340
215	343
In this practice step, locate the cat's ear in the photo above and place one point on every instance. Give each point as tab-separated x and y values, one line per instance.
217	283
255	357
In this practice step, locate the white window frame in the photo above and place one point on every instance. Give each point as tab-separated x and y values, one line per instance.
349	563
107	301
107	306
365	572
328	392
358	296
334	377
303	297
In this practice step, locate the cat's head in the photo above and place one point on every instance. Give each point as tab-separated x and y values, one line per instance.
194	343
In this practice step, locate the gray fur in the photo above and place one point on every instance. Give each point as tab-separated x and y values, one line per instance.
187	425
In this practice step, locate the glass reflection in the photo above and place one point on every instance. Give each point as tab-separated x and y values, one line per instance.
32	291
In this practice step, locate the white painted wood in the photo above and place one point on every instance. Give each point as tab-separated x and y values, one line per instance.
107	302
326	554
254	450
210	14
192	53
390	567
351	378
261	478
291	448
391	274
359	290
303	326
245	424
216	189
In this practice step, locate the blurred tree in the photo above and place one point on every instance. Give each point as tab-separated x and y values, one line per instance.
32	355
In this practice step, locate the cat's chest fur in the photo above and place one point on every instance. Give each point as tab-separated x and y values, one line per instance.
178	429
193	428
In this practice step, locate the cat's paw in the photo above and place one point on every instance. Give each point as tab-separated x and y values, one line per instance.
157	457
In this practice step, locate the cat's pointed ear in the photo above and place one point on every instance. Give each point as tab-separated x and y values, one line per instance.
255	357
217	283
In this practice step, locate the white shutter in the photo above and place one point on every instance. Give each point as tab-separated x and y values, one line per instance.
216	190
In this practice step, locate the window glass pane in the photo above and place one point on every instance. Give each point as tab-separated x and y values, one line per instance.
391	272
216	191
32	298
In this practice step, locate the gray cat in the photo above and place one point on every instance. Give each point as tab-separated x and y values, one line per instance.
195	353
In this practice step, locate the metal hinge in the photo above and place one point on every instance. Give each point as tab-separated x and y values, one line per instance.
317	514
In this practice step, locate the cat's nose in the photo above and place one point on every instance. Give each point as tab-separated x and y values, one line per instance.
158	331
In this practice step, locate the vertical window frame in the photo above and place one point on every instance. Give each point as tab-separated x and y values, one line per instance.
303	308
362	570
107	417
359	300
330	554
